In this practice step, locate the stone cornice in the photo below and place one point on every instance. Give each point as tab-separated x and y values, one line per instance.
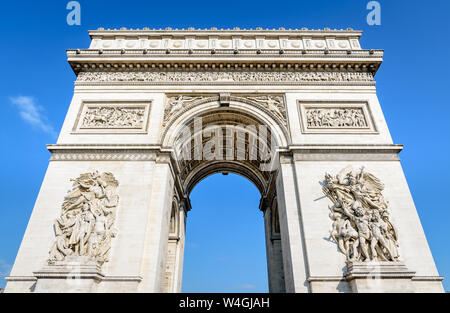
156	150
221	60
218	50
394	148
108	152
345	152
60	146
295	55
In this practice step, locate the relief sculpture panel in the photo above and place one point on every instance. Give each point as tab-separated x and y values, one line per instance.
338	117
112	117
85	226
361	224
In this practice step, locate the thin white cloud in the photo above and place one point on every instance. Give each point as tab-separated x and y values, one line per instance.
32	114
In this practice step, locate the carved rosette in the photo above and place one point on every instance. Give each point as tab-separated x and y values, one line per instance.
361	225
85	227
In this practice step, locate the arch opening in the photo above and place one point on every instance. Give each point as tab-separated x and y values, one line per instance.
238	138
225	246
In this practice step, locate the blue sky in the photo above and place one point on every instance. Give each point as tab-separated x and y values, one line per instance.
37	85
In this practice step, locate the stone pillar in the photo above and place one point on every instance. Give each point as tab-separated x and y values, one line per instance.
295	262
178	277
274	250
156	243
175	250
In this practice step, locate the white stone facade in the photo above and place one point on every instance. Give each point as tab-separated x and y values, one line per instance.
136	89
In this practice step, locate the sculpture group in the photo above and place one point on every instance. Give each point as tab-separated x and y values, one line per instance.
113	117
361	225
225	76
336	118
85	227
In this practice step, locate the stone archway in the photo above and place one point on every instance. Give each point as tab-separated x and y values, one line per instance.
233	128
345	212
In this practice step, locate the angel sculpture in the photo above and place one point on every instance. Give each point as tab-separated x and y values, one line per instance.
179	102
274	104
361	225
85	227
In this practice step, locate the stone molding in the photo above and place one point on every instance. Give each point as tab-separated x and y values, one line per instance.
46	274
346	156
143	152
364	270
325	278
20	278
66	270
428	278
344	152
103	155
107	152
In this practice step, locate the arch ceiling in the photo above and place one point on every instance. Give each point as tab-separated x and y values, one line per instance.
233	133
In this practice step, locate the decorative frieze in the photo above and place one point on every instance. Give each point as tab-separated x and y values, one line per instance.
361	224
195	77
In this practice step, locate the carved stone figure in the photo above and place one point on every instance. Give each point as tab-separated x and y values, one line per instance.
229	76
85	227
274	104
361	225
113	117
336	118
176	103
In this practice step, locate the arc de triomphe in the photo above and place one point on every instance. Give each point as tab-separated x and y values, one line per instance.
156	111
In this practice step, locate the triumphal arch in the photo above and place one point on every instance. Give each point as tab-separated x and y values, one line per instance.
154	111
